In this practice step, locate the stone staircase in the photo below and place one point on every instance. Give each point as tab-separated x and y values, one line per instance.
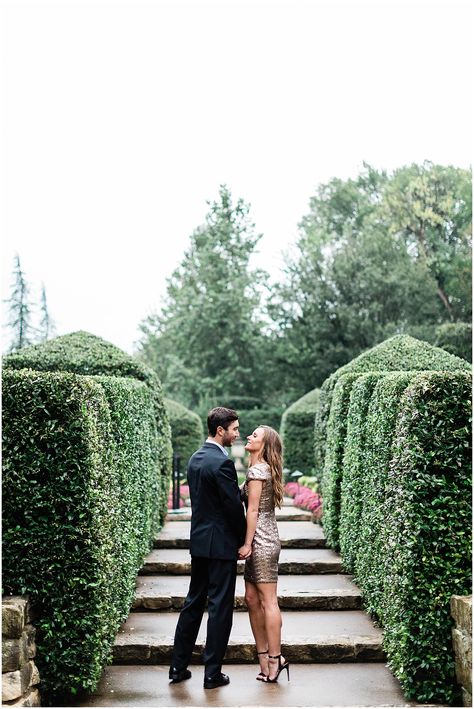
335	650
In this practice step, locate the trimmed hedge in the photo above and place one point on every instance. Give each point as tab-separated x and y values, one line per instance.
428	532
376	445
332	473
400	352
455	338
187	433
79	511
297	432
86	462
354	466
83	353
406	515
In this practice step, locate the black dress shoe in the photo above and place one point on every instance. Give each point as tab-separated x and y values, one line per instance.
217	681
178	675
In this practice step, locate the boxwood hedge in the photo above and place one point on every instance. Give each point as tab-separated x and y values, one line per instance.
84	461
406	515
296	430
354	467
187	433
382	409
400	352
427	532
84	353
332	473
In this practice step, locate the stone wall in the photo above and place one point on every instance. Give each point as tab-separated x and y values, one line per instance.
20	677
461	611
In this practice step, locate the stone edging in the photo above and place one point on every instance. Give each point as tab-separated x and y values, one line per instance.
20	676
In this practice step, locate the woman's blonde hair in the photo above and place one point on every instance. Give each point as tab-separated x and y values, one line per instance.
272	453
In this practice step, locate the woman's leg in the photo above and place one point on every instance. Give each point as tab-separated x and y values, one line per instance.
271	611
257	623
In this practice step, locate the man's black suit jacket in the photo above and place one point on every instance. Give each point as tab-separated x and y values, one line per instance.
218	520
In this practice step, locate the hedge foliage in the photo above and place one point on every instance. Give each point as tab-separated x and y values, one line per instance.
427	533
405	502
84	353
84	462
187	433
354	466
332	473
296	430
398	353
455	338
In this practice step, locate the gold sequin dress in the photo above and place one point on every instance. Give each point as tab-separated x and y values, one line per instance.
262	565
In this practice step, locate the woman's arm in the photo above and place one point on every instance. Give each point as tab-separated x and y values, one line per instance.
255	491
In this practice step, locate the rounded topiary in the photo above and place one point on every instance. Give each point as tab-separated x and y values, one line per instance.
297	432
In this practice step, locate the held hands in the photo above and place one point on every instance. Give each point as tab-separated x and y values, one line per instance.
245	551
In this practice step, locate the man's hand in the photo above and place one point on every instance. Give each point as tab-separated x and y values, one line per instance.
245	551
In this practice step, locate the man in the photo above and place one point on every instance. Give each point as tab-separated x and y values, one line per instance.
217	531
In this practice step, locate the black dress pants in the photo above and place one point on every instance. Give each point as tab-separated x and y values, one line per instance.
213	579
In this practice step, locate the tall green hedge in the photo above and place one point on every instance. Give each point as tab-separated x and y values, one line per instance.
297	432
398	353
381	416
332	473
84	460
83	353
354	465
406	514
428	512
187	433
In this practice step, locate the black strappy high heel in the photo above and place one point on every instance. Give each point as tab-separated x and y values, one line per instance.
281	667
262	677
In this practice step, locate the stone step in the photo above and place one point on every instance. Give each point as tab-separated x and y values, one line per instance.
293	535
292	561
308	636
324	592
360	684
286	514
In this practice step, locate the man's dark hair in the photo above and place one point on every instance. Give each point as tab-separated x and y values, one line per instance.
220	416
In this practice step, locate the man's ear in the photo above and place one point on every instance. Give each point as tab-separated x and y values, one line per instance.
220	430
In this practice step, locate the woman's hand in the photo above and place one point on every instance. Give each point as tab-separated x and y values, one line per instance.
245	551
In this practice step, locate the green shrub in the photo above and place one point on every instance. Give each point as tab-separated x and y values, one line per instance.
332	473
187	434
398	353
80	496
428	514
297	432
455	338
83	353
87	464
369	546
354	465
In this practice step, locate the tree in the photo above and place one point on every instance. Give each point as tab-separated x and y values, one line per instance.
430	208
204	343
360	274
47	324
20	310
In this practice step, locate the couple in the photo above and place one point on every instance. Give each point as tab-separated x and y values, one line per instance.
220	534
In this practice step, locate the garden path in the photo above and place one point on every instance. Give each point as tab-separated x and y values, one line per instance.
335	650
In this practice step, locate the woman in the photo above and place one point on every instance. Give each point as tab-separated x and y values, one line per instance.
262	491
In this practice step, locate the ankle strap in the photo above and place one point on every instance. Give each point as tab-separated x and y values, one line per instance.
264	652
274	657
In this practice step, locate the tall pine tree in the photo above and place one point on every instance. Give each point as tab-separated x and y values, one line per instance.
20	310
205	341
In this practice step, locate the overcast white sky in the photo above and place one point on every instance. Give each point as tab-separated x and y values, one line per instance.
122	118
